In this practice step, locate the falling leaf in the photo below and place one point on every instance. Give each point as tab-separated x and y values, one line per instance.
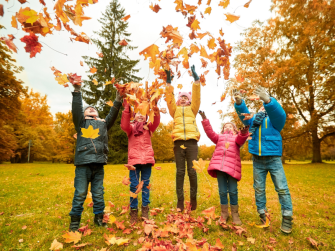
247	4
194	49
32	44
202	79
74	79
74	237
95	82
93	70
110	82
208	10
169	33
155	8
221	32
14	22
151	52
59	11
81	63
32	16
139	187
239	78
110	103
199	165
201	35
211	44
55	245
58	27
183	147
125	18
126	181
203	63
90	133
224	3
220	111
223	97
227	145
180	86
195	25
157	167
133	195
123	42
1	10
61	79
100	54
203	52
232	18
42	2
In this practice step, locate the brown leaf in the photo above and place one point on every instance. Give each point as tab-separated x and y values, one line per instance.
313	242
155	8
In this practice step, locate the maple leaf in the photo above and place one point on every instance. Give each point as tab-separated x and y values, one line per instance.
184	54
123	42
223	97
90	133
125	209
203	52
232	18
74	79
1	10
201	35
122	241
251	240
183	147
209	212
199	165
169	33
42	2
9	42
220	111
224	3
85	230
95	82
148	228
55	245
180	86
110	82
14	22
82	37
211	43
125	18
126	181
227	145
130	167
239	78
155	8
133	195
265	225
247	4
32	44
208	10
59	11
32	16
180	5
194	49
120	225
93	70
62	79
112	219
127	231
80	245
139	187
151	52
58	27
221	32
190	8
202	80
203	63
110	103
195	25
74	237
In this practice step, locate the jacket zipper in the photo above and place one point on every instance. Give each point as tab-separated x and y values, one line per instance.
184	124
224	153
260	140
266	123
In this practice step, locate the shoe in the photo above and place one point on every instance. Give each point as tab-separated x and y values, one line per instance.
286	224
133	215
224	213
75	222
98	220
145	212
180	205
263	220
235	215
193	204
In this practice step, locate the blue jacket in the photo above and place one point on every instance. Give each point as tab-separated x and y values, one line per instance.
266	140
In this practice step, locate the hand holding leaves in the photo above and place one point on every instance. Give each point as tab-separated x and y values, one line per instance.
237	96
77	88
261	92
155	109
245	129
168	76
194	74
247	116
202	115
118	97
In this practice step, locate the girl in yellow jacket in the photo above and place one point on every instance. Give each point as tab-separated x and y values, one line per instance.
185	135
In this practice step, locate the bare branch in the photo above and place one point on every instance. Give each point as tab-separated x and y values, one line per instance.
327	135
299	110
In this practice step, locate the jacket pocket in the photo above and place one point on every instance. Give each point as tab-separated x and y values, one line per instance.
85	147
272	143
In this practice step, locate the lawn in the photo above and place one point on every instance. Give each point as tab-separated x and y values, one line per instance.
36	199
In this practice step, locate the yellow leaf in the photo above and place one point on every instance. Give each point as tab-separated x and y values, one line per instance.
61	79
110	103
183	147
195	25
247	4
180	86
265	225
32	16
220	111
121	241
227	145
199	166
224	3
95	82
90	133
203	52
112	219
14	22
232	18
211	43
208	10
72	237
55	245
150	51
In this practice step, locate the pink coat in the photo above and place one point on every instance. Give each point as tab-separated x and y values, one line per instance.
226	157
139	148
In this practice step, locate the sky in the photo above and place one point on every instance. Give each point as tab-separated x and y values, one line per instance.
145	27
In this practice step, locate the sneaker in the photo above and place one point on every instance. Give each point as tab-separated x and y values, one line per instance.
286	224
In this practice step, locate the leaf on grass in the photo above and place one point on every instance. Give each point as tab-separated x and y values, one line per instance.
209	212
112	219
125	209
199	165
55	245
251	240
127	231
133	195
157	167
265	225
74	237
1	10
312	242
90	133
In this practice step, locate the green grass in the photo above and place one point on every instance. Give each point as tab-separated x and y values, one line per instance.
39	196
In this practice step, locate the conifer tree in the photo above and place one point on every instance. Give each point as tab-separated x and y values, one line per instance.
114	64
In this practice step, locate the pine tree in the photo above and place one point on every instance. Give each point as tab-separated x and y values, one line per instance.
114	63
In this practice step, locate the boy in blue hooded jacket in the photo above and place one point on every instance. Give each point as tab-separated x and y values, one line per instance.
266	148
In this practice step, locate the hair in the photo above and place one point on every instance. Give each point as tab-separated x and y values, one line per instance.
234	126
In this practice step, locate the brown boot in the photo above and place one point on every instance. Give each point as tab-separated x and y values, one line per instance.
235	215
193	204
224	213
145	212
133	215
180	205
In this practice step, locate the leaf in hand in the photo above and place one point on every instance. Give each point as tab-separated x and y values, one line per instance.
62	79
90	133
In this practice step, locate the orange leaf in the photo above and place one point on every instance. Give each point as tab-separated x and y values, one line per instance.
224	3
95	82
180	86
194	49
125	18
195	25
211	44
123	42
139	187
124	209
202	80
93	70
180	5
110	103
127	231
221	32
100	54
190	8
253	97
72	237
32	44
203	52
201	35
199	165
169	33
126	181
151	52
220	111
203	63
183	147
158	167
247	4
14	22
81	63
208	10
223	97
59	11
133	195
130	167
227	145
209	2
209	212
232	18
155	8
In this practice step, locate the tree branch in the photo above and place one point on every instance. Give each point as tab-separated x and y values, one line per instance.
327	135
299	110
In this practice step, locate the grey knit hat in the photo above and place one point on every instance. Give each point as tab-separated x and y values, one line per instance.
90	106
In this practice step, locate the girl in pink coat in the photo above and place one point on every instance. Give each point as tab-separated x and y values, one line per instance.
225	164
140	155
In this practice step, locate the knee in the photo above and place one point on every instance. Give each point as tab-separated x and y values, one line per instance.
282	191
259	189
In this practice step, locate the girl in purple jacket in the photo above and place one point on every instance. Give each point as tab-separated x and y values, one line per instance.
225	164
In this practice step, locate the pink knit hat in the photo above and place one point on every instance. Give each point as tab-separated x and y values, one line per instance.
187	94
235	128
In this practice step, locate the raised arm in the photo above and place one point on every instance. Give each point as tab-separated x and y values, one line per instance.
241	109
195	104
242	136
113	112
276	114
125	119
77	110
213	136
170	100
157	118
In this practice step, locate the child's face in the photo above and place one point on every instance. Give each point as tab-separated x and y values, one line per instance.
139	117
183	100
91	112
228	128
262	109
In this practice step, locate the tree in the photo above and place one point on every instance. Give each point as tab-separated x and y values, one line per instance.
114	64
10	91
162	142
206	152
292	55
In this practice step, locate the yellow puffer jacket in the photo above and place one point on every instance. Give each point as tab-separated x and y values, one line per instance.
184	124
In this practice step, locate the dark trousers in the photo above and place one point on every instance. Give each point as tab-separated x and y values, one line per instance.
85	174
188	154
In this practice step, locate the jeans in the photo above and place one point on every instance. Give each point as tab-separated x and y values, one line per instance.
85	174
273	165
227	184
143	172
189	154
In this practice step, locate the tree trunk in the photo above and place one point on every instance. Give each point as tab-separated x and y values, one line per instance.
316	147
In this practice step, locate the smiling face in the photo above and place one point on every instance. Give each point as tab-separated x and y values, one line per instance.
228	127
139	117
90	111
184	100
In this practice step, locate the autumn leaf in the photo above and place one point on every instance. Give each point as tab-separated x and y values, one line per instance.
169	33
126	181
95	82
183	147
32	16
62	79
59	11
251	240
139	187
110	82
194	49
223	97
1	10
58	27
74	79
180	5
195	25
265	225
80	245
14	22
201	35
9	42
81	63
151	52
203	63
74	237
247	4
125	209
209	212
93	70
220	111
127	231
110	103
239	78
32	44
120	225
123	42
55	245
130	167
100	54
155	8
133	195
218	244
199	165
125	18
232	18
224	3
253	97
157	167
208	10
221	32
211	44
190	8
90	133
203	52
227	145
42	2
180	86
202	80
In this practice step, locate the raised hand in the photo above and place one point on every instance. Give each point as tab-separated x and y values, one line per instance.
247	116
77	88
202	114
245	129
237	96
168	76
261	92
118	97
194	74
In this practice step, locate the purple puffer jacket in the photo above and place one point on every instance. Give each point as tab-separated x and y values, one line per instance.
226	157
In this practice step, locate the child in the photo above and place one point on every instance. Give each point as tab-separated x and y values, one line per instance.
90	157
266	148
225	164
185	135
140	155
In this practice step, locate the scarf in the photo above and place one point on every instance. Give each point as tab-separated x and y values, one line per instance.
138	128
257	121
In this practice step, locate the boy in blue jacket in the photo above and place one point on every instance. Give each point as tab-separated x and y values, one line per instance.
266	148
